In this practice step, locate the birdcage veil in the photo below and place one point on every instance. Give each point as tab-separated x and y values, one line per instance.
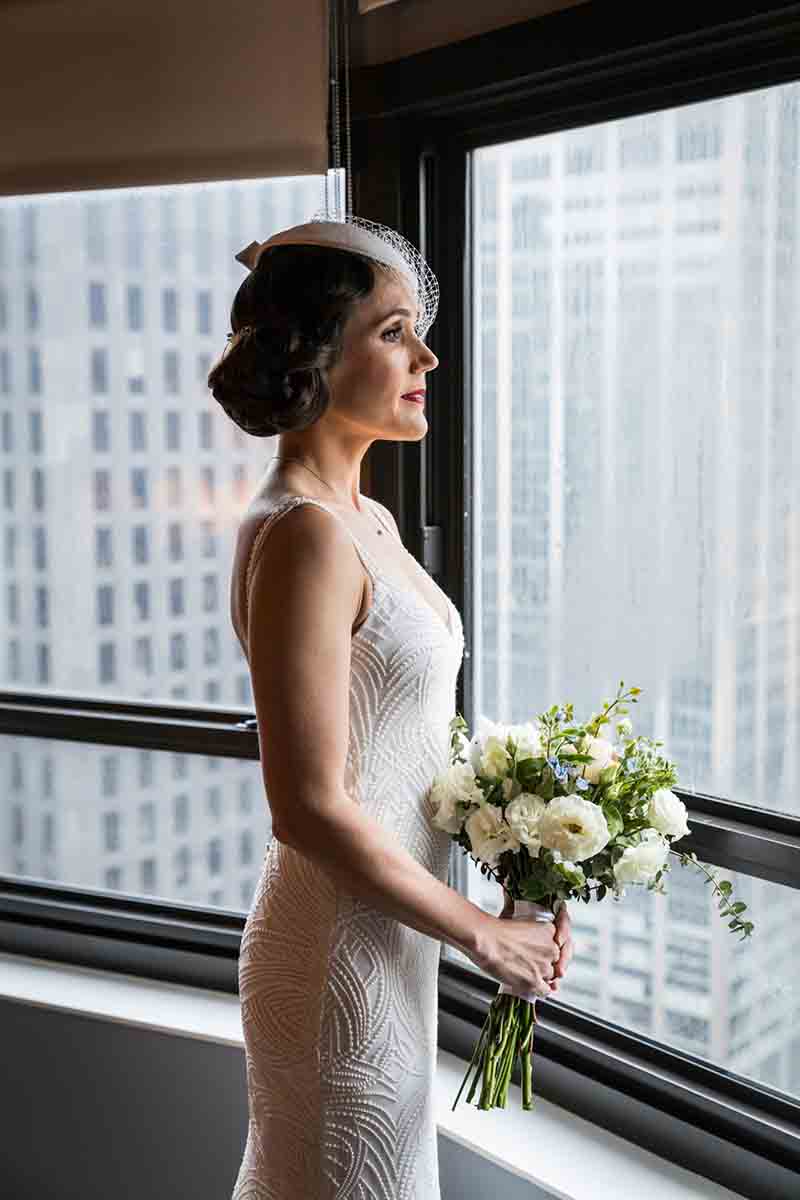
378	242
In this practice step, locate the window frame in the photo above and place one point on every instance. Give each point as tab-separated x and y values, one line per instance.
415	123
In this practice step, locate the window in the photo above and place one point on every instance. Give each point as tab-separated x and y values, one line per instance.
171	376
102	547
175	541
174	488
177	651
107	669
99	370
141	600
176	597
143	655
169	310
102	489
180	806
101	430
210	596
205	430
204	312
37	489
134	307
98	316
7	431
137	429
172	430
139	487
140	544
36	429
42	607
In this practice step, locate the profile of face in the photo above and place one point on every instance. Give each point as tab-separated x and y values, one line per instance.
382	359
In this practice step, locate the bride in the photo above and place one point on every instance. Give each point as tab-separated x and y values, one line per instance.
354	652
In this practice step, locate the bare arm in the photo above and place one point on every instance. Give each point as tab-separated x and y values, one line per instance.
305	595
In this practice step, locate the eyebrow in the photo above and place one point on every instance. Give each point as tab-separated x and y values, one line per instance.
405	311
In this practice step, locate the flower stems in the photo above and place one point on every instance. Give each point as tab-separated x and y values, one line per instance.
506	1034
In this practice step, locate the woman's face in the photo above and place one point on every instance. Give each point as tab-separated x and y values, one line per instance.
382	359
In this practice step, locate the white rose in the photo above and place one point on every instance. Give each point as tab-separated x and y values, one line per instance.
528	741
573	826
489	834
487	748
603	755
522	815
667	814
640	863
454	786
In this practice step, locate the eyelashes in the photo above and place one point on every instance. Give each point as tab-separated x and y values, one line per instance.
396	329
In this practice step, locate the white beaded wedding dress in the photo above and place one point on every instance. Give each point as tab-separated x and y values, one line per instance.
339	1002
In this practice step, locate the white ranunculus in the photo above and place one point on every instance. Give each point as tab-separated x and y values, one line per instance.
454	786
667	814
603	755
489	834
573	826
523	815
640	863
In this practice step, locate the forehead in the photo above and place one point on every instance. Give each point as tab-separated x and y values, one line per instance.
389	292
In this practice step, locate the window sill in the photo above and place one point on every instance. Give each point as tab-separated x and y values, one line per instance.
548	1147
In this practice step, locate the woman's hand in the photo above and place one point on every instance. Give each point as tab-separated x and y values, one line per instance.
563	938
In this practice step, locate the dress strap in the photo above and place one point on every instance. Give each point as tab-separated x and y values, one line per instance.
284	506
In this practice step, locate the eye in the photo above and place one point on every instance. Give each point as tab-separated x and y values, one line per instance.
396	329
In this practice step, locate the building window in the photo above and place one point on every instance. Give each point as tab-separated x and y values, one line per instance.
183	862
36	427
139	487
12	603
177	605
147	822
99	370
243	693
171	374
135	307
215	856
113	879
148	874
95	231
207	485
109	774
106	604
180	813
204	312
172	430
13	660
205	430
7	432
40	547
214	802
8	489
37	489
107	662
210	646
42	663
211	691
111	830
102	490
146	759
209	539
34	370
245	795
48	832
141	600
143	655
98	315
175	541
5	372
177	651
42	607
174	489
102	547
246	847
137	420
141	544
169	310
101	430
210	596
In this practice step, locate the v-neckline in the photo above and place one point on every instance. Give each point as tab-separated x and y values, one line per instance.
406	584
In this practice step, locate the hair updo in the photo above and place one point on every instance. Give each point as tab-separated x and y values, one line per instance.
288	319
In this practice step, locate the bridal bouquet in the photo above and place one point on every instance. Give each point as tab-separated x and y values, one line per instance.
555	812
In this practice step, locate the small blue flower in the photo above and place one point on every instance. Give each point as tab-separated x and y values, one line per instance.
560	714
581	784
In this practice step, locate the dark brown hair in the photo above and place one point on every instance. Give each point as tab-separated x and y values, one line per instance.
291	311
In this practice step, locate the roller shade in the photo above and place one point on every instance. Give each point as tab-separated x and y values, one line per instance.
100	93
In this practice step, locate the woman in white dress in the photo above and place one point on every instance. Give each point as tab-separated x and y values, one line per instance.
354	653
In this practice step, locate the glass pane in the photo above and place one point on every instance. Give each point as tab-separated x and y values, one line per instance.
184	827
670	968
122	482
637	454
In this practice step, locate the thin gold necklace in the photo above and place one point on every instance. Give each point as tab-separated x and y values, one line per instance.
319	477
